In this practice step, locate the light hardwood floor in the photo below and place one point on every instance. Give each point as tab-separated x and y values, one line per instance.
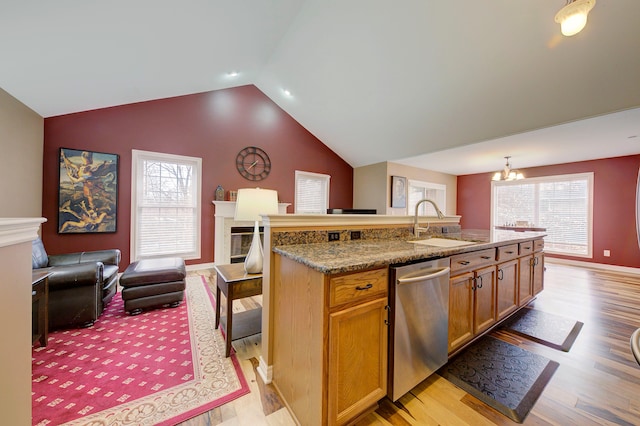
597	383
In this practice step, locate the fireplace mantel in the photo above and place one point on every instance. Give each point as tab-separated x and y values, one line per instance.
224	221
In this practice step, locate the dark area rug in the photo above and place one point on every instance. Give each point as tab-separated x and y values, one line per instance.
550	330
501	375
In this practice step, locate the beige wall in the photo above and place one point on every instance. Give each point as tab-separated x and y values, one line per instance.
21	144
15	320
369	183
372	186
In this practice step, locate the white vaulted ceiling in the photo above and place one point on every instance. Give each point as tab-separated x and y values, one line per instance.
446	85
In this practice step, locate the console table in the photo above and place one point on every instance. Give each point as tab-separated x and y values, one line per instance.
235	283
40	313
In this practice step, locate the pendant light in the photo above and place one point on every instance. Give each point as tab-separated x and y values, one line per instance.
573	16
507	173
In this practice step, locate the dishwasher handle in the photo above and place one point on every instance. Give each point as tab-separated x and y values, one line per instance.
441	272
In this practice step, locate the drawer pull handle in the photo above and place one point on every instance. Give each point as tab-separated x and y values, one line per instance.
464	262
486	257
366	287
509	252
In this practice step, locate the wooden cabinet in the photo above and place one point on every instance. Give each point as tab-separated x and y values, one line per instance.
330	342
531	270
507	288
486	286
357	360
485	299
538	271
472	296
461	301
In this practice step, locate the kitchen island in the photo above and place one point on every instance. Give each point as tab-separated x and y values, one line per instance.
331	311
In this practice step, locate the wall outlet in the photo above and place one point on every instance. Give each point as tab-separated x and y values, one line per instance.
607	253
355	235
334	236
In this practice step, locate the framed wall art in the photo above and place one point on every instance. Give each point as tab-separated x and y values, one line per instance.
398	192
87	192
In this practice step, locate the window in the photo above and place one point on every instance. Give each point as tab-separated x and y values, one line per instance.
312	193
165	205
561	204
420	190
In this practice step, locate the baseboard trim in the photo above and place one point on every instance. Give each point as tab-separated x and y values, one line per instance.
265	371
601	266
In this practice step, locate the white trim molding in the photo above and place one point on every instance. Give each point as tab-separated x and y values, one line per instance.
19	230
592	265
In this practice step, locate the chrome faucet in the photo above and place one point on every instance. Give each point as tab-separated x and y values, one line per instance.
416	228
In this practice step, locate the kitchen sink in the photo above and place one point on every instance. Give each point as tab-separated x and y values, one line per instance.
443	242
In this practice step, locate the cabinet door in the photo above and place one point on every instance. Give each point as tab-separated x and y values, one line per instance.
538	272
460	310
525	288
507	288
485	299
357	360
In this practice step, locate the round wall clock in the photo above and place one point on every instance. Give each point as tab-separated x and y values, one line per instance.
253	163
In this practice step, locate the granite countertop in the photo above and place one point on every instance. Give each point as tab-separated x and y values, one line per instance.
355	255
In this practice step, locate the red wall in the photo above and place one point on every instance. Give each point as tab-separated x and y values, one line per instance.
214	126
614	205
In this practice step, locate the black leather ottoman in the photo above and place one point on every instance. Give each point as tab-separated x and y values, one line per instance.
153	282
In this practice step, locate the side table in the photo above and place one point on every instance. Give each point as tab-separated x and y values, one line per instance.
39	309
235	283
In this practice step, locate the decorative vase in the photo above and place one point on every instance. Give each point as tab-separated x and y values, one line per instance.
219	193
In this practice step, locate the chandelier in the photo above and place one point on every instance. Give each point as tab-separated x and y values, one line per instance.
573	16
507	173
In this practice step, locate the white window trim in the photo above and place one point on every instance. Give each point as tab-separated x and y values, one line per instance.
319	176
136	156
557	178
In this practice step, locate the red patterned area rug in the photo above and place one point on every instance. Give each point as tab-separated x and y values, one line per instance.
161	367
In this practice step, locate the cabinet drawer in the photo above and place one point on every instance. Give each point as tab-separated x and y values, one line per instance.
526	247
360	285
472	260
538	245
37	289
507	252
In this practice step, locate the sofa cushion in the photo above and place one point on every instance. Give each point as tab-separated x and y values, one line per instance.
39	258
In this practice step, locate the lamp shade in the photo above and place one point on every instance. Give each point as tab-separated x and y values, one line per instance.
573	17
252	202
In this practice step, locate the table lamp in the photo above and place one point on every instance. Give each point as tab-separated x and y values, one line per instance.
250	204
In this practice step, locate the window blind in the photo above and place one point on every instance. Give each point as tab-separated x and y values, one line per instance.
419	190
311	193
166	211
561	204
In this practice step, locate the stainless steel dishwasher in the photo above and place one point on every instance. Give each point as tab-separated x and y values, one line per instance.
419	317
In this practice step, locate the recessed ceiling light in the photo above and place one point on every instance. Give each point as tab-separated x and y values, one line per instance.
287	93
232	74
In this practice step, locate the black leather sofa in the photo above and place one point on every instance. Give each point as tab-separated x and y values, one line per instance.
80	286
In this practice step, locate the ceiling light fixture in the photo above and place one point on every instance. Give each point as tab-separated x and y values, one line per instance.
573	16
507	173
